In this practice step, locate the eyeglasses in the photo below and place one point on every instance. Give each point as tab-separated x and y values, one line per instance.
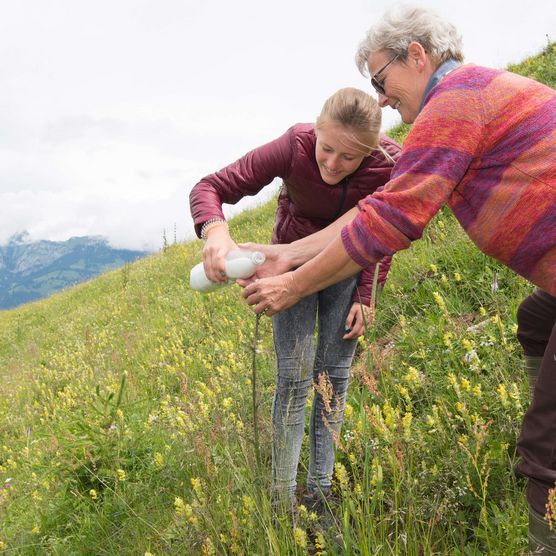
379	84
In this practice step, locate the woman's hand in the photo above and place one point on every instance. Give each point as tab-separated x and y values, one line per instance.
276	262
271	295
359	319
217	246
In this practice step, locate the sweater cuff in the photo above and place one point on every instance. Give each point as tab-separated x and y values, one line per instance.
350	247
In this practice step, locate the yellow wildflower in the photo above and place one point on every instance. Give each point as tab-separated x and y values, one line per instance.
341	475
300	537
197	486
248	505
406	425
185	510
404	393
467	344
302	511
503	393
550	515
412	376
179	506
390	415
319	542
439	300
465	384
93	494
208	548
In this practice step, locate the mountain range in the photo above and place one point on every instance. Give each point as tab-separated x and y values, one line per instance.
31	270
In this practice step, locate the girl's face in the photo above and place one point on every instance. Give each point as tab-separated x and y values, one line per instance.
337	152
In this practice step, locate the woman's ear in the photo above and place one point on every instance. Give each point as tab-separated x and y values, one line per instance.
416	54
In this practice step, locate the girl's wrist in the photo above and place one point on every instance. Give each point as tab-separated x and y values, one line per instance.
210	224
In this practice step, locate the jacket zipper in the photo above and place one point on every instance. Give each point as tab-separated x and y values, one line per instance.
343	199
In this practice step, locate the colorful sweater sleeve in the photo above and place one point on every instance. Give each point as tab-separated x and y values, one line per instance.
363	291
246	176
436	155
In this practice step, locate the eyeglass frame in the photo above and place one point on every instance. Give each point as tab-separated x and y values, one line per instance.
378	86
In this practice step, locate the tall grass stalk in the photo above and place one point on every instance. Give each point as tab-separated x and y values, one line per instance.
254	393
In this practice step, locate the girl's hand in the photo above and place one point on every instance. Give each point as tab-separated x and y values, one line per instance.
359	319
217	246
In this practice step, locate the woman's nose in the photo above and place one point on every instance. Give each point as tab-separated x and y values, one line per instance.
382	100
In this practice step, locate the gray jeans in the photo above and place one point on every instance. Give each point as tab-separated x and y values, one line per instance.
298	366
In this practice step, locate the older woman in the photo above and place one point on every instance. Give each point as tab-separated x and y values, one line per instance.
483	141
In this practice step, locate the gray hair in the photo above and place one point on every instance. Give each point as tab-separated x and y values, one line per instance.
404	24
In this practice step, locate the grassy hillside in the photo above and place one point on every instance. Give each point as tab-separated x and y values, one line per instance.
127	415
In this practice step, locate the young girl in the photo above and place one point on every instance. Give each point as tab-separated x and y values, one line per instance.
326	168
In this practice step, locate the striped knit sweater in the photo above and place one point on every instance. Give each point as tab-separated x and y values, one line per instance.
485	143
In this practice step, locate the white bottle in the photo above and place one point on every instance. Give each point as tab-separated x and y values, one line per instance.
239	264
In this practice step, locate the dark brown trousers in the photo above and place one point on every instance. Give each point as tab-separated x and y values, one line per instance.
536	333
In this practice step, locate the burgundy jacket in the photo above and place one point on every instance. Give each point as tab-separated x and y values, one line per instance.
306	204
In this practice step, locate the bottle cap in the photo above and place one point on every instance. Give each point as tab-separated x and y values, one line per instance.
258	258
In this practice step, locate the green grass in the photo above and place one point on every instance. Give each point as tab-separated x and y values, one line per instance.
126	415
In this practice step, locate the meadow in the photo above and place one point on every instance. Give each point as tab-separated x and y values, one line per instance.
135	413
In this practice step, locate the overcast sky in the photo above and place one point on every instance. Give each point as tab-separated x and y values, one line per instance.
111	110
